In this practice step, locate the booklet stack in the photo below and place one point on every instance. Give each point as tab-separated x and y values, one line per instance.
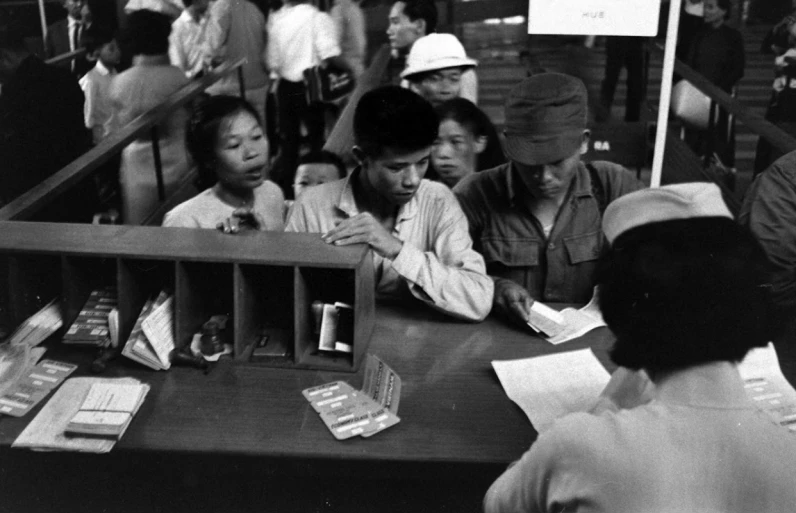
152	338
91	326
107	409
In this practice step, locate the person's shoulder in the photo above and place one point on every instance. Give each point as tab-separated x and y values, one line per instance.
188	213
489	183
269	190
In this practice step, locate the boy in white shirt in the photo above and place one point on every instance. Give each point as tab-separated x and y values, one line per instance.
101	48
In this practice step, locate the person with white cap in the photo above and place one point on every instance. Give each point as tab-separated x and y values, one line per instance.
675	429
409	21
536	219
435	67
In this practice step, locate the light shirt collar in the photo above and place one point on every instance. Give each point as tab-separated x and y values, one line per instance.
580	187
710	385
102	69
348	205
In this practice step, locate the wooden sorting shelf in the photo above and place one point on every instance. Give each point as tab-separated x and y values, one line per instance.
265	282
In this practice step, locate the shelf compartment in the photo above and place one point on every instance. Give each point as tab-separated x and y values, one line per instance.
28	282
327	286
139	280
264	306
201	291
80	276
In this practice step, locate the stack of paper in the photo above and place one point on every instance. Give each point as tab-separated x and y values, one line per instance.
47	431
91	325
108	409
152	338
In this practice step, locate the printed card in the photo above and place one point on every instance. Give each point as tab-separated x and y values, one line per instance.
381	419
20	401
382	384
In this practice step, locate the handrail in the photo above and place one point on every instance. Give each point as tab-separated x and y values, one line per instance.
66	56
778	138
341	138
36	198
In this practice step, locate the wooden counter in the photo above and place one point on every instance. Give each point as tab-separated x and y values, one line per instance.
250	429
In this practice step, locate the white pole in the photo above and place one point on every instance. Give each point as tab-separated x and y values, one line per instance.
666	92
43	19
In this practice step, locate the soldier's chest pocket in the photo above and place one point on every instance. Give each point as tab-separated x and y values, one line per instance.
584	248
511	252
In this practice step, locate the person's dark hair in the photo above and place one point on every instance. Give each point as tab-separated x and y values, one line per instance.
422	10
96	37
394	117
206	121
187	3
325	157
685	292
468	115
146	33
725	5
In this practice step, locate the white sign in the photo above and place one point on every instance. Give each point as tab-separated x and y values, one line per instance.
594	17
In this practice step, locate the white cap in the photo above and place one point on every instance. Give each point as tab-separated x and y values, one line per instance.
434	52
668	203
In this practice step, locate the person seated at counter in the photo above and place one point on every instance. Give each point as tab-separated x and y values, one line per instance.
228	146
536	219
415	227
680	290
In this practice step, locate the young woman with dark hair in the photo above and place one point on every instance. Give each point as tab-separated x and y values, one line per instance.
226	141
467	142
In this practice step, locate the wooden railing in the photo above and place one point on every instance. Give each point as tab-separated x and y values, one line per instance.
38	197
778	138
65	57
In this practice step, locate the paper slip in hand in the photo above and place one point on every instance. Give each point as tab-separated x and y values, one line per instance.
544	319
549	387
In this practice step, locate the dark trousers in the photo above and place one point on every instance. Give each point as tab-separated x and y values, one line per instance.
624	52
292	111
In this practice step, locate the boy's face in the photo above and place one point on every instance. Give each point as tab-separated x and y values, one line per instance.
395	175
110	55
310	175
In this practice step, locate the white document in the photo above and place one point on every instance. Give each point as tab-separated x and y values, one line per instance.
594	17
113	397
767	387
549	387
159	330
579	322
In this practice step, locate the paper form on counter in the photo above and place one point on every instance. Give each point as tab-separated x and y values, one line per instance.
159	330
549	387
767	387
